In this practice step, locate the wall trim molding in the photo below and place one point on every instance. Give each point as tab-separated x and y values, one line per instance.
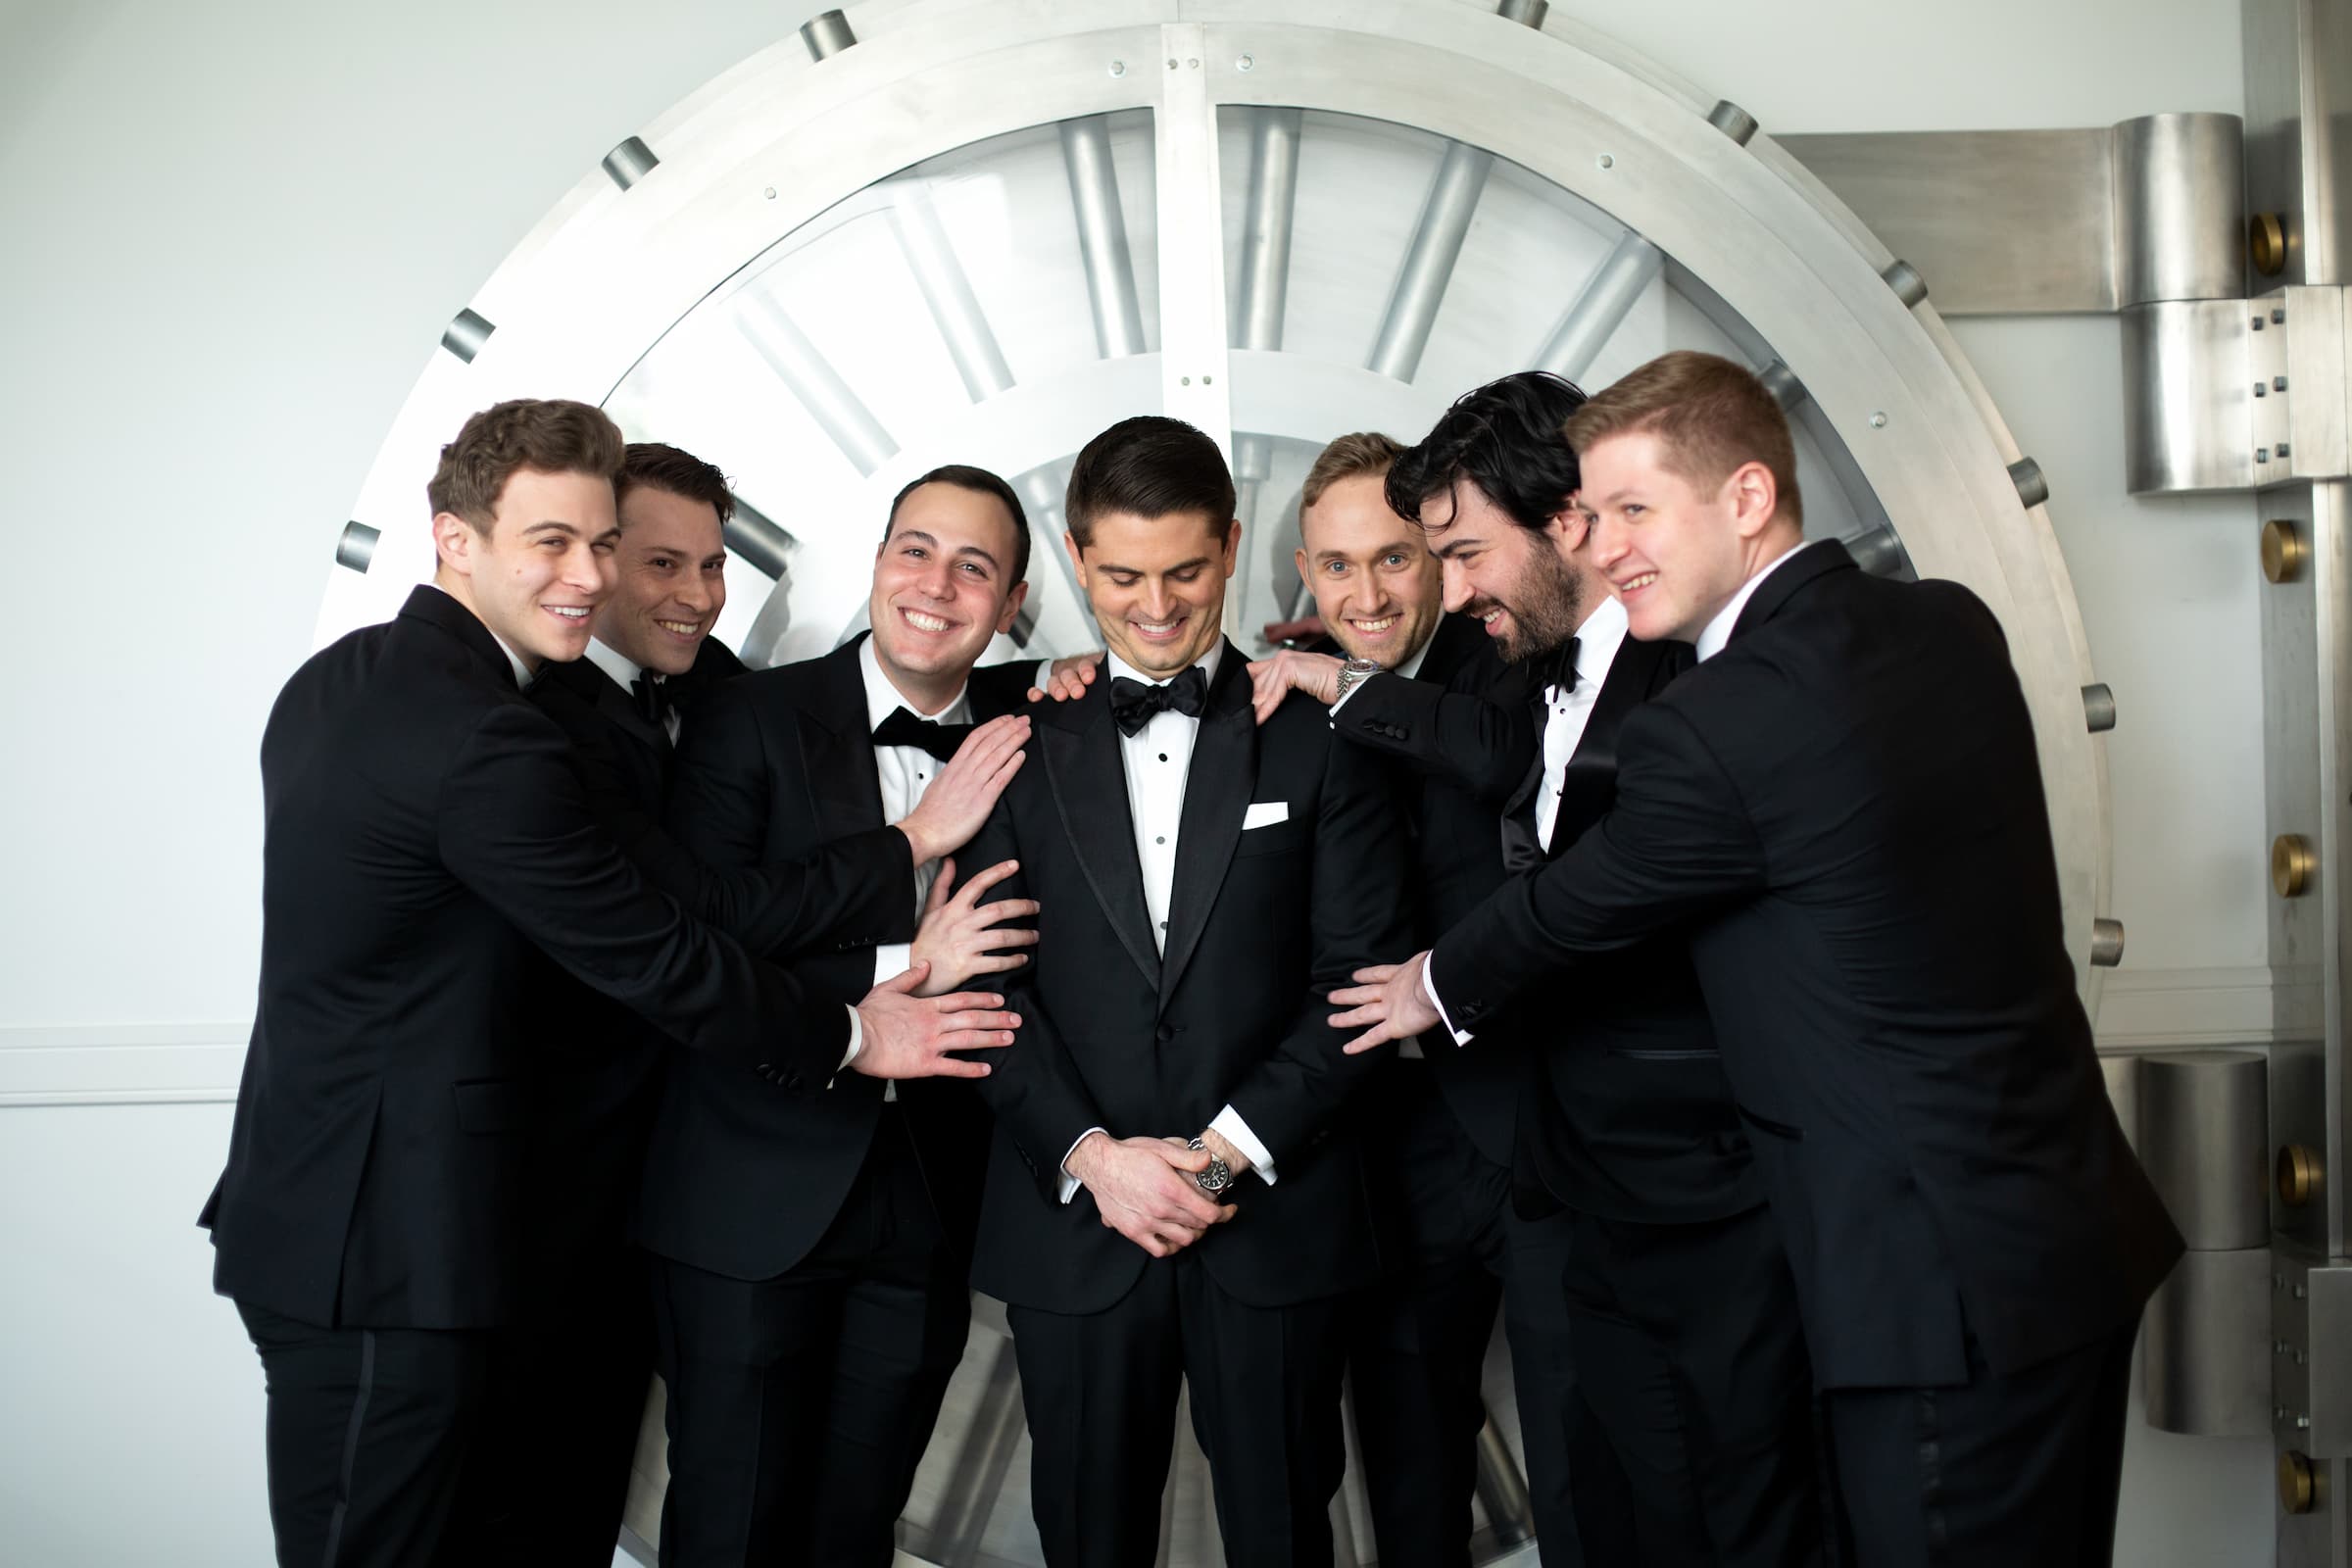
2143	1008
121	1065
198	1064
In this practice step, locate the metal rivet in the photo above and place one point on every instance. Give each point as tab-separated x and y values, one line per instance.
356	546
465	334
2280	450
1878	421
769	193
2291	865
2260	390
1902	277
1171	65
2278	315
2278	384
1191	65
1732	120
1246	61
2032	488
2262	453
1206	379
2302	1423
2098	708
1118	68
2300	1292
1183	380
2266	243
629	163
2285	551
1605	161
826	34
2259	323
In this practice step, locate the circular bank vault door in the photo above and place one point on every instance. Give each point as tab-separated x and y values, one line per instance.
978	232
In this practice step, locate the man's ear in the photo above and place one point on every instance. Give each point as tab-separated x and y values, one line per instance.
1012	605
1233	545
1569	528
453	542
1077	555
1299	559
1754	496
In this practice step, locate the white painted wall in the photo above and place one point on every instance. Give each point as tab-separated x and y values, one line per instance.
229	237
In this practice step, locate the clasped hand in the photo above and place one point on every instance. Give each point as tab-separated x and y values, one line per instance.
1144	1189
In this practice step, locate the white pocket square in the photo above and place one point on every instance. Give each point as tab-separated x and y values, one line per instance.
1265	813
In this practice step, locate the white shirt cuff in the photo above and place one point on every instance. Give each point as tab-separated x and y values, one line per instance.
1069	1183
1353	690
1045	673
1429	989
893	960
1228	1125
856	1043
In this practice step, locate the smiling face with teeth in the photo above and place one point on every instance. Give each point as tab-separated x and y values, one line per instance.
944	586
670	580
537	572
1529	589
1675	549
1376	584
1157	584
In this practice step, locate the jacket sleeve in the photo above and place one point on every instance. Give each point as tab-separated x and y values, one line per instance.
1459	733
515	825
1361	902
1679	844
1033	1087
710	852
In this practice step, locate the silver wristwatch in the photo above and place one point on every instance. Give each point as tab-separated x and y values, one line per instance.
1352	673
1214	1180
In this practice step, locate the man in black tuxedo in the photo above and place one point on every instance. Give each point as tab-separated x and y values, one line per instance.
811	1254
1841	810
425	832
1202	880
1442	1120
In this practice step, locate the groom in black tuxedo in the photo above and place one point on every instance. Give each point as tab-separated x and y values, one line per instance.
427	832
1841	809
1174	1194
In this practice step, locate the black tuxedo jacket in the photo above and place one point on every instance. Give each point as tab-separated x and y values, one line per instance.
599	1090
1262	923
426	831
1845	814
1628	1115
780	765
1467	742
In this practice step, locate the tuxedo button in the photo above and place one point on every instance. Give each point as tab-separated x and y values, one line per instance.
1167	1032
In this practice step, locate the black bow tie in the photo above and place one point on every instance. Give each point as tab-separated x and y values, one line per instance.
1555	668
1133	703
902	728
655	700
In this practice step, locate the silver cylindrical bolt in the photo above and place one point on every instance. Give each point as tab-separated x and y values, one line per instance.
356	546
629	163
1732	120
1909	287
826	34
465	334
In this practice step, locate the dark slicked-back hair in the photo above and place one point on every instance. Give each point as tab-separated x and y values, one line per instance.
655	465
964	476
551	435
1149	466
1505	438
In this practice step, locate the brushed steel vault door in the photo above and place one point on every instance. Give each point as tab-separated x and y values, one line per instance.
978	230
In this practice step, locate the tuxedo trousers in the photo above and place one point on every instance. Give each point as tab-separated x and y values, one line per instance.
801	1406
1100	1391
1695	1371
1417	1340
2022	1469
367	1435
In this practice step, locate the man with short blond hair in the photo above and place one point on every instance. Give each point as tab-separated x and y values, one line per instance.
1841	809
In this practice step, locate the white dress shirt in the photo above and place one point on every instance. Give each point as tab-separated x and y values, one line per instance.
524	674
624	671
1597	641
1158	758
1717	632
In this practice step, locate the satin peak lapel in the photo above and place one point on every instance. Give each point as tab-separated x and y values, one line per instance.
1080	747
1217	791
836	752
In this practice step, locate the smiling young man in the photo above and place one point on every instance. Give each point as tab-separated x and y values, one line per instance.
427	835
1839	809
1444	1118
810	1256
1201	880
